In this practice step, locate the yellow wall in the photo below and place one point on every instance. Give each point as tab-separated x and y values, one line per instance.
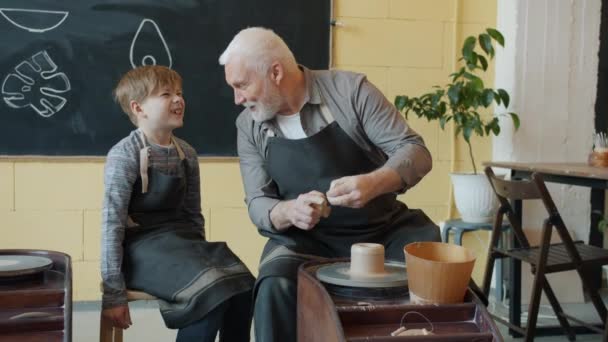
57	205
404	46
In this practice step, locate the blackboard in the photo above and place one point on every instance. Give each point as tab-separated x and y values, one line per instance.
60	60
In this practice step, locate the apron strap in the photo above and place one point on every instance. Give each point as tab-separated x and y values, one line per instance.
144	155
143	168
180	152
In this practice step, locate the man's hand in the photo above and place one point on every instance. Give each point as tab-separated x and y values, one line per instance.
303	212
357	191
119	316
352	191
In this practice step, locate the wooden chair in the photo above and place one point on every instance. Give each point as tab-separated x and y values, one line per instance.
545	258
108	333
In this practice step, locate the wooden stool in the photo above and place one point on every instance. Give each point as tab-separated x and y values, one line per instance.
109	333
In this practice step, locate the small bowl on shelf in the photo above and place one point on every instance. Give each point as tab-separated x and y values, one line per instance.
599	157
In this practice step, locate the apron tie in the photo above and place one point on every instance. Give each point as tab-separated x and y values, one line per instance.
144	154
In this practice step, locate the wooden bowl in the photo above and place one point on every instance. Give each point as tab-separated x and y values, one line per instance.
598	158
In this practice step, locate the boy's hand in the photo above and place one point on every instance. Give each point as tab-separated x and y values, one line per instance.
119	316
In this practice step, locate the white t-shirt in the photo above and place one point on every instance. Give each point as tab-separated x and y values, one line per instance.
291	126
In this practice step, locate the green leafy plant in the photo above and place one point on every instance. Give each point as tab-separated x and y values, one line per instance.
602	223
466	95
601	226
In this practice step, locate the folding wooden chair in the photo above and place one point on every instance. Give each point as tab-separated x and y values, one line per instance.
545	258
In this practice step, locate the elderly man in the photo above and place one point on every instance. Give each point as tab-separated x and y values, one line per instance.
307	138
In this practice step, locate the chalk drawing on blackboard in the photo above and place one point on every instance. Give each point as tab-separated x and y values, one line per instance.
148	59
34	20
36	73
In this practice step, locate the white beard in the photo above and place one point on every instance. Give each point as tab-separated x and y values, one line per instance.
261	113
265	109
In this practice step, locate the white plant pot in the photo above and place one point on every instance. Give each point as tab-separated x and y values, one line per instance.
475	199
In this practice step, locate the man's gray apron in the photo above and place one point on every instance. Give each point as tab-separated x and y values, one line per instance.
168	257
302	165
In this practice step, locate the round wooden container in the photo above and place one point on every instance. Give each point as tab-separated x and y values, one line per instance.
599	158
438	273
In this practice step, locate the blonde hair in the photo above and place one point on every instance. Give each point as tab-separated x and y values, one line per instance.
137	84
259	47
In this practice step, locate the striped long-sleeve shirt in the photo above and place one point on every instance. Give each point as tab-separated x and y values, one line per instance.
121	172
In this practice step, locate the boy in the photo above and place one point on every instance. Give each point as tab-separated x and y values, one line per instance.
152	227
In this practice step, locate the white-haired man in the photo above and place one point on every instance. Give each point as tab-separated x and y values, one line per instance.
306	138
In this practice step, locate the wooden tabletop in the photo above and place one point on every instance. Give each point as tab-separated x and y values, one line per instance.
562	169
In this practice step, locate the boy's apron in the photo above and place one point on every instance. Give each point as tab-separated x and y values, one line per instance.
167	255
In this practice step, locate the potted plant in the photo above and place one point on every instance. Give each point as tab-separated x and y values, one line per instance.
461	101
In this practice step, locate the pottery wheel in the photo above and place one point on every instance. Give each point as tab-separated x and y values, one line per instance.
21	265
339	274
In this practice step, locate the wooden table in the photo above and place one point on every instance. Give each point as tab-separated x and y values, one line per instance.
579	174
48	295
